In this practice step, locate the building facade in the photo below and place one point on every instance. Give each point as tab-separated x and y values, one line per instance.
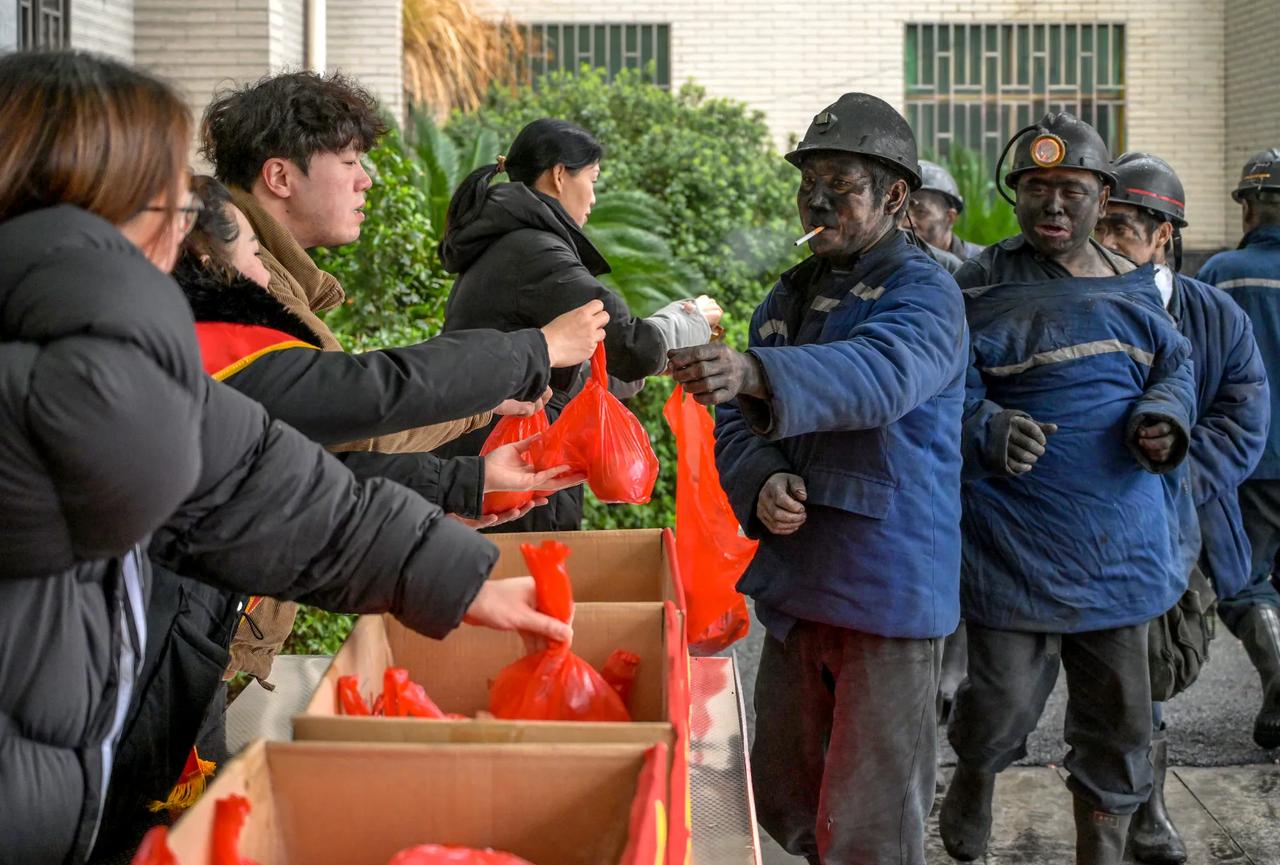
204	45
1190	80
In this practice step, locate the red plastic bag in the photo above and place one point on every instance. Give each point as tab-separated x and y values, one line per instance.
554	684
711	552
597	435
508	430
349	699
229	816
435	854
405	698
620	672
154	849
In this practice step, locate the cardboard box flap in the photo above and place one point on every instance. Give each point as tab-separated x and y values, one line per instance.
343	804
620	566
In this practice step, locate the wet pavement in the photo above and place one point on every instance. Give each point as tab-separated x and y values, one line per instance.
1223	792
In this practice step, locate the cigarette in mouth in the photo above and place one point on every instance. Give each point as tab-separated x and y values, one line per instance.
811	235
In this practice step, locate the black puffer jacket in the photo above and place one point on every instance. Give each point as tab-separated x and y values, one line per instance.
111	438
522	262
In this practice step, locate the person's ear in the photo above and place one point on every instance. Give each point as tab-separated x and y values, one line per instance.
1164	234
277	177
897	198
1103	198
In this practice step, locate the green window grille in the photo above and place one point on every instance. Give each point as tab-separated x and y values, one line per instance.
613	47
974	85
44	23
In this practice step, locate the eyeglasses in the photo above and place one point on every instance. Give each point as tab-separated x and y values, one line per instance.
188	214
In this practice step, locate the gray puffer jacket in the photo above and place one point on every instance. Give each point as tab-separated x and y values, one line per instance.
112	441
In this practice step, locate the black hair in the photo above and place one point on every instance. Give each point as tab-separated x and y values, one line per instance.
1150	220
1266	205
540	146
209	243
292	116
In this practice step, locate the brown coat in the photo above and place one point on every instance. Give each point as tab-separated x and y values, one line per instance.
305	290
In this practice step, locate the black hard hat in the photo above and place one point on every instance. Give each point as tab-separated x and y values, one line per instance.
937	179
1149	182
863	124
1260	172
1059	141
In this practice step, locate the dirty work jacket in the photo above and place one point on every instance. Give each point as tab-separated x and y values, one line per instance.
1081	542
865	371
1233	412
1251	275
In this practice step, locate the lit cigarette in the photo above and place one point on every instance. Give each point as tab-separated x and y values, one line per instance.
811	235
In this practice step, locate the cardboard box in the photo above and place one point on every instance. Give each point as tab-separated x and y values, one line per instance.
621	566
344	804
456	673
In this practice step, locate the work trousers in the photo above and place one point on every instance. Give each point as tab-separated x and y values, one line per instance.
845	749
1260	510
1108	721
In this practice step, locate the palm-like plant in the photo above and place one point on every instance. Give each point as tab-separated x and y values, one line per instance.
645	271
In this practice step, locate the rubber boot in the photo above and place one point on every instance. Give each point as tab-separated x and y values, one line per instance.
1259	630
965	819
1100	835
1153	839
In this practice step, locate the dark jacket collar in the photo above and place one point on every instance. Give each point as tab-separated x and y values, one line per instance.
803	274
511	207
240	301
1263	235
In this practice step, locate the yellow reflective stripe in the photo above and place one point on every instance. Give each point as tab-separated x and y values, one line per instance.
243	362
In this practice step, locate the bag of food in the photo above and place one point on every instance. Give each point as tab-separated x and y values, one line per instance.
509	430
599	436
554	684
711	551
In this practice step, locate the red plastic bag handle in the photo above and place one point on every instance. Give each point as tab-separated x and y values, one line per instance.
600	367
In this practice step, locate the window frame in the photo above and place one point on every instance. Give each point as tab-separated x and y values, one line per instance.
30	18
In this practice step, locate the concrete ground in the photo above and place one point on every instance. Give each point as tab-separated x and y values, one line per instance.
1223	792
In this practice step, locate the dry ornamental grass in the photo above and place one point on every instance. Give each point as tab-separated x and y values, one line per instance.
452	53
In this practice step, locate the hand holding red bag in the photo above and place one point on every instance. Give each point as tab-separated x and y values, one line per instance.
599	436
509	430
711	552
554	684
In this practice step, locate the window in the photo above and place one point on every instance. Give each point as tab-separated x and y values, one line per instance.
614	47
44	23
976	84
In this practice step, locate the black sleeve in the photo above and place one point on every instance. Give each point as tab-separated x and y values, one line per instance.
333	397
455	484
274	514
634	346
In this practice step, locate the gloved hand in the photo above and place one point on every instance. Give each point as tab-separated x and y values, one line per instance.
780	506
1025	442
1156	438
714	373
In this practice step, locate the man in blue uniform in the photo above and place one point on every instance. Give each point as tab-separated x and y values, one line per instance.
1251	275
1143	222
1080	394
837	440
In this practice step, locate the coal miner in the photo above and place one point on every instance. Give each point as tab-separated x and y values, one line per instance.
1144	220
837	440
1080	395
1251	275
935	207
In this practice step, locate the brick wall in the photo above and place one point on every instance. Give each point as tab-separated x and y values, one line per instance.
790	65
1253	83
365	40
103	26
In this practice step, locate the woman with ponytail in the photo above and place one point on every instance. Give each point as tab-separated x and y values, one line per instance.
522	259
